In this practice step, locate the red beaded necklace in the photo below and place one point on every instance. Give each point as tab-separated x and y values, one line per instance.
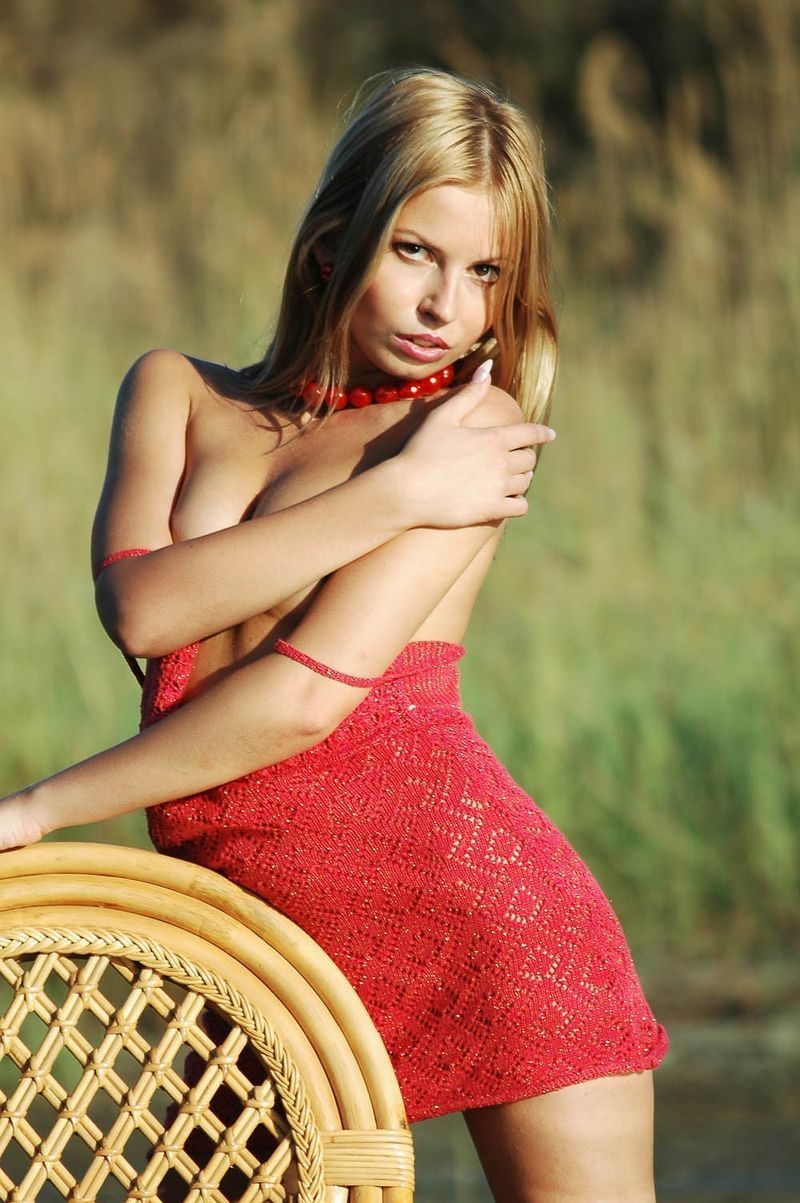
360	395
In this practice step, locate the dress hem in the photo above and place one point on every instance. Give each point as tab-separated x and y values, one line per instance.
572	1077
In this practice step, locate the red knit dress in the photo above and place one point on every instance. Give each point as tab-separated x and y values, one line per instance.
488	957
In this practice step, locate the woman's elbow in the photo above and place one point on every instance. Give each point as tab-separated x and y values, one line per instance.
138	641
129	640
314	712
313	722
132	628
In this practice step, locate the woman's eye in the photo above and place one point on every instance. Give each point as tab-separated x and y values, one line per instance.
411	250
487	273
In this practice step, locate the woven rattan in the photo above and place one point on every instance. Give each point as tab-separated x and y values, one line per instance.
165	1036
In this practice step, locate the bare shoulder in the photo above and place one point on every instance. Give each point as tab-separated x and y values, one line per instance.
160	365
171	373
159	377
498	408
173	384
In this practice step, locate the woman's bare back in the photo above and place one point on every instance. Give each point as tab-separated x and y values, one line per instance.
242	463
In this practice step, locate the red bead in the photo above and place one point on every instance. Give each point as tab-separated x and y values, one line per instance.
311	393
432	385
358	396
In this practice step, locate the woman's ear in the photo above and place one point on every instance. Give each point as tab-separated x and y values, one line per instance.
325	259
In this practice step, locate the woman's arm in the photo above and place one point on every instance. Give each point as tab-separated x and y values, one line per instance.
447	475
274	707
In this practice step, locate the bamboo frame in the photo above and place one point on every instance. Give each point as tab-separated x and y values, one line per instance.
71	910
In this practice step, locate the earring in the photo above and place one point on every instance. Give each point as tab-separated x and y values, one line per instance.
325	270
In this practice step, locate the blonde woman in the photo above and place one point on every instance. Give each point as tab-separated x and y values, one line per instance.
296	548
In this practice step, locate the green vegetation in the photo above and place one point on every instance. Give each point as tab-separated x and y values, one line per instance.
638	656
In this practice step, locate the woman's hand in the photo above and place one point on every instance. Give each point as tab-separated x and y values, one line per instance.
18	824
461	474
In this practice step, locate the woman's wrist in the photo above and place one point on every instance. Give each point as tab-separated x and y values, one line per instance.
20	819
38	811
398	500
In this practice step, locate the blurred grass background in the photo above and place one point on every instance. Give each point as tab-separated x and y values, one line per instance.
635	654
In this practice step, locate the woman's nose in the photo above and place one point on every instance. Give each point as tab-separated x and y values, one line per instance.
441	297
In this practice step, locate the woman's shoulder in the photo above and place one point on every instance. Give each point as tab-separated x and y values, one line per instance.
165	367
165	380
497	408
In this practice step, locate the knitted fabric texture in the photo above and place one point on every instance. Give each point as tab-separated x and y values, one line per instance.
488	957
287	649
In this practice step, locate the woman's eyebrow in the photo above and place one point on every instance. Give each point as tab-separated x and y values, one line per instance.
415	236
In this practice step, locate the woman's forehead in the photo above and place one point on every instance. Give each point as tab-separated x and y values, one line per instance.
455	219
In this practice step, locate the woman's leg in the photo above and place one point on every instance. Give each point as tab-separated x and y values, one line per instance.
590	1143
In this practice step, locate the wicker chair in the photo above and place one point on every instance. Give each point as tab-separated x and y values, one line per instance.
167	1036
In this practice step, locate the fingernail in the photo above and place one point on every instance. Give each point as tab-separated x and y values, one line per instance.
550	431
482	372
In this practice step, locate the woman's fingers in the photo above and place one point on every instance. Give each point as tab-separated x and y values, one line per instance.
523	460
519	434
512	507
519	483
526	434
455	408
465	471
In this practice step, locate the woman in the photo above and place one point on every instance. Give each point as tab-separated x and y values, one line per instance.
334	773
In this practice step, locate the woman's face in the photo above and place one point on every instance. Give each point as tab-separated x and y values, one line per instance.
432	295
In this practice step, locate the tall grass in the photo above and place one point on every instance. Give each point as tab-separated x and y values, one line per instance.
635	654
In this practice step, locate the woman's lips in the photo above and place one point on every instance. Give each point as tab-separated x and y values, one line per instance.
421	348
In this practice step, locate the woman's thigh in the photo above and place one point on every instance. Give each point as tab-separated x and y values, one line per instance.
589	1143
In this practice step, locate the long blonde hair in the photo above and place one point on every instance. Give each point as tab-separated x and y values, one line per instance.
408	131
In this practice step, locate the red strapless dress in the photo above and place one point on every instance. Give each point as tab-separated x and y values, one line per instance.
491	962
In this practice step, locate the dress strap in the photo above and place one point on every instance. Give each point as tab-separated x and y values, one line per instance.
287	649
125	554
